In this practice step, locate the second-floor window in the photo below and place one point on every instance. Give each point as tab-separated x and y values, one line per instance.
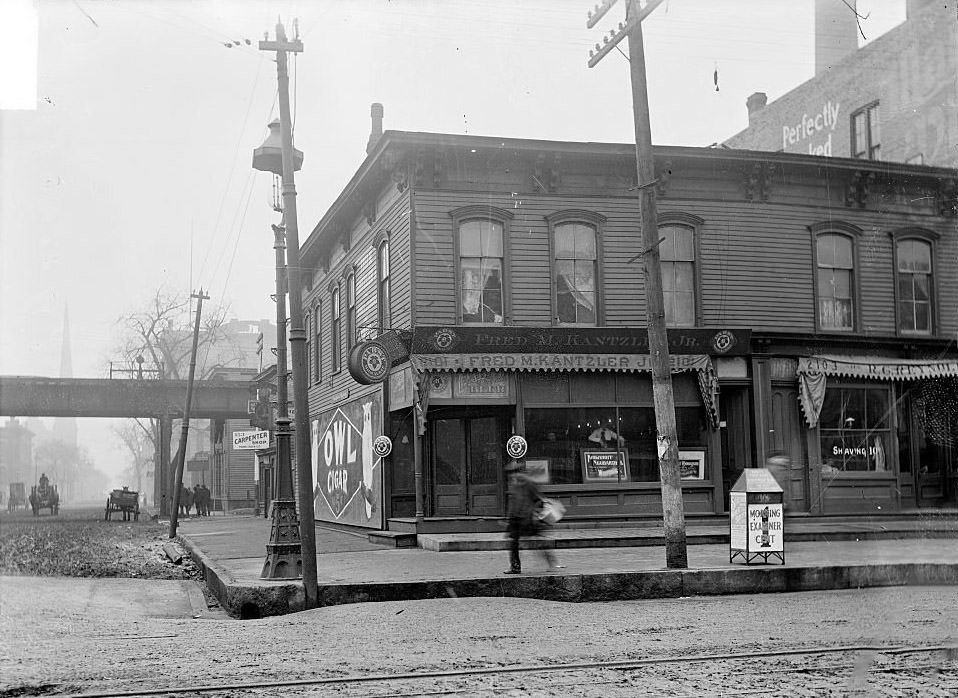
835	260
677	255
336	335
480	271
914	285
351	337
575	273
383	290
317	344
865	139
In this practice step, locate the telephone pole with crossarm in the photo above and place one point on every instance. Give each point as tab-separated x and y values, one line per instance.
673	508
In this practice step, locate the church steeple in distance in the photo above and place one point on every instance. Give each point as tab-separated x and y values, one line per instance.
65	428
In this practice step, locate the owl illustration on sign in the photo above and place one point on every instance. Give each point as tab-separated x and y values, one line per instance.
368	456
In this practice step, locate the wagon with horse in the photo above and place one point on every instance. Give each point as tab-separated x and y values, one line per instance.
124	501
44	496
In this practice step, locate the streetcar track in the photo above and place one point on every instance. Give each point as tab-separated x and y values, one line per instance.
518	669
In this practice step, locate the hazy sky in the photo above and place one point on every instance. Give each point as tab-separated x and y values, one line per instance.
134	169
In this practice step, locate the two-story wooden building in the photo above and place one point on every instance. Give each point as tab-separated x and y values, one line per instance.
812	305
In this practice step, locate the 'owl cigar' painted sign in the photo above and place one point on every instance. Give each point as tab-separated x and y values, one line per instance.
347	471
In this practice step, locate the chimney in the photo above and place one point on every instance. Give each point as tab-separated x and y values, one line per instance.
913	7
836	32
755	103
376	112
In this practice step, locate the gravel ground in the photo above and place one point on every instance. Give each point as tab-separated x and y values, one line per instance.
79	543
75	643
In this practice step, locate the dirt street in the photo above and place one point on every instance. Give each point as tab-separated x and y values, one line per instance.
70	636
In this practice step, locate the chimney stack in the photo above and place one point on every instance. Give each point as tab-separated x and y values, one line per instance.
836	32
376	112
755	103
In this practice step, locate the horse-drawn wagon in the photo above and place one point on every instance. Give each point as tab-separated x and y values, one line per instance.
44	496
126	501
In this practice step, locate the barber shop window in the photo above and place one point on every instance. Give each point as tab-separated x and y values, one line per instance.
351	337
855	430
383	290
914	285
835	282
481	252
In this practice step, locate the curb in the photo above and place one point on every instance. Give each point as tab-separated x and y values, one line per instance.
248	600
265	598
438	543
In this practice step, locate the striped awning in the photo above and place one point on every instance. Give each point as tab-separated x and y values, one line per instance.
813	371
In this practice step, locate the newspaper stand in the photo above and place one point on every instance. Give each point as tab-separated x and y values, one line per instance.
756	517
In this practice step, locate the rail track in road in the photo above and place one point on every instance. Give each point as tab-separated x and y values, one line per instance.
858	661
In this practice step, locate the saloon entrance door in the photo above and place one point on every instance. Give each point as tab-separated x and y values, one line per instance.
467	455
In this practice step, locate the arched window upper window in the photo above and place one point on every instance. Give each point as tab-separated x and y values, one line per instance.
915	281
835	261
336	335
383	290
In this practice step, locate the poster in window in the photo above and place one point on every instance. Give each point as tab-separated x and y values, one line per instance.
538	470
692	465
607	465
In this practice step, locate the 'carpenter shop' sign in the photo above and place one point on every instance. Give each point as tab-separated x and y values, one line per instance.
575	340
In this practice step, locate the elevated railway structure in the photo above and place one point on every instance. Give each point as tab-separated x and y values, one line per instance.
164	400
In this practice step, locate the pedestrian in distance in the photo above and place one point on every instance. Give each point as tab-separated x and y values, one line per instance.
207	498
186	500
525	502
778	464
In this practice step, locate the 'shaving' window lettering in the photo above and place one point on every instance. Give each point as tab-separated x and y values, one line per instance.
480	271
575	273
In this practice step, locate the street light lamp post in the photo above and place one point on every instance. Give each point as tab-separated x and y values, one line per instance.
264	158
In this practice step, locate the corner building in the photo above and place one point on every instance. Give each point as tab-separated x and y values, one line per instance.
811	310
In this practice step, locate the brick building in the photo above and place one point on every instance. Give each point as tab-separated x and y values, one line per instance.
894	99
810	302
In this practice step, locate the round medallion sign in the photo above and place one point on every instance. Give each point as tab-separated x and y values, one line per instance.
369	362
382	446
516	446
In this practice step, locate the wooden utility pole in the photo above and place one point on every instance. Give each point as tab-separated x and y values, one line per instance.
184	433
297	331
673	508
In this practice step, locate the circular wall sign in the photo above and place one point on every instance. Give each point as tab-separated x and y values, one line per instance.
516	446
382	446
369	362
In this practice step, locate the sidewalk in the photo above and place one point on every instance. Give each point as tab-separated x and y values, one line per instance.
231	551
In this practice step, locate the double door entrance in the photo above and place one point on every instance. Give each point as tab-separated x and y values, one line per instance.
467	456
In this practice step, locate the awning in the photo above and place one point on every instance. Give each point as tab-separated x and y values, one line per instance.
812	372
536	362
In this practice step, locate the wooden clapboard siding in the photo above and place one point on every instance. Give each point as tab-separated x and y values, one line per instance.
754	266
361	258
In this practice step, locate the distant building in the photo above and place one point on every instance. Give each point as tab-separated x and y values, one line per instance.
16	454
894	99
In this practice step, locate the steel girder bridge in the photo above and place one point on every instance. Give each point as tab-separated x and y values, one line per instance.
163	400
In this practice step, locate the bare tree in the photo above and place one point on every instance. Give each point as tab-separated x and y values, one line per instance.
138	436
161	333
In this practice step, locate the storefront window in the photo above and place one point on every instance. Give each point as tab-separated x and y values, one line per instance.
855	429
604	444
